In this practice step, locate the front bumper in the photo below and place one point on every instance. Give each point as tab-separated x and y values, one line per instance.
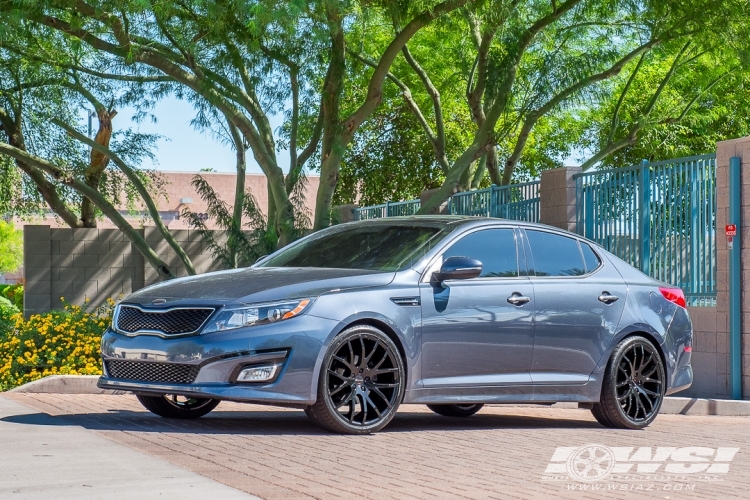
296	345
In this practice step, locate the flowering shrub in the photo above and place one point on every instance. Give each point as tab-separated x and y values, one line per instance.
63	342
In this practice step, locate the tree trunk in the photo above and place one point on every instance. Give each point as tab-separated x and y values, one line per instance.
97	164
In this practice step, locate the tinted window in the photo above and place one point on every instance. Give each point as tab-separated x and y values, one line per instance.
589	257
495	248
554	255
376	247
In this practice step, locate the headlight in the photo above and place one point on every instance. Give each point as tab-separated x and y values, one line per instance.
256	314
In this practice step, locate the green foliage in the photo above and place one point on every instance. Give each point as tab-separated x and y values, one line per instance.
237	244
13	293
11	247
7	310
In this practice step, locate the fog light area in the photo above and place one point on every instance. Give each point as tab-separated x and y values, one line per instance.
258	373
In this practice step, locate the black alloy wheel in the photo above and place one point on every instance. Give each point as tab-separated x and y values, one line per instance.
634	386
456	410
361	382
174	406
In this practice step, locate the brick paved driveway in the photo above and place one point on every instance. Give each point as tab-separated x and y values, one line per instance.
502	452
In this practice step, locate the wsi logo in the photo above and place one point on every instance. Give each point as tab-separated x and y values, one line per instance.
597	462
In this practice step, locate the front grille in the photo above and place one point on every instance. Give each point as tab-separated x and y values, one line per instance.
169	322
145	371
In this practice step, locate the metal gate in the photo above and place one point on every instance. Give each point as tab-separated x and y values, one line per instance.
659	217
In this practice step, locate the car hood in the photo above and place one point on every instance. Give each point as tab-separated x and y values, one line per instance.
259	284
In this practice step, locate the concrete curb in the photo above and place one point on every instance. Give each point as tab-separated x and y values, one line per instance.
695	406
64	384
86	384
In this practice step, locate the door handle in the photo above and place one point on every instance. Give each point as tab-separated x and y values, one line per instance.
517	299
607	298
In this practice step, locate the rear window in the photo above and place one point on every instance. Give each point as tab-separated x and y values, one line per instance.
375	247
554	255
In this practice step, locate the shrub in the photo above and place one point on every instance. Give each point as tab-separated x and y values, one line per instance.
7	311
63	342
13	293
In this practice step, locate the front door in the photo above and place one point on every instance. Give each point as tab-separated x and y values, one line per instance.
479	332
579	301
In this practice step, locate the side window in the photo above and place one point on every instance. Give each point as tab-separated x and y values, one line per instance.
495	248
589	257
554	255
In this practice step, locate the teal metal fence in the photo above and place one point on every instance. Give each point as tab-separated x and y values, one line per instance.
517	202
659	217
390	209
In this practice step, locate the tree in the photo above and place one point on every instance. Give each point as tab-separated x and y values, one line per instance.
678	102
11	248
43	99
212	50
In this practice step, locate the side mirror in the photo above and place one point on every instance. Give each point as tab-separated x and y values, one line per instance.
458	268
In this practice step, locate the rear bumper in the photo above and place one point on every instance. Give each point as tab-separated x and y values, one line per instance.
682	380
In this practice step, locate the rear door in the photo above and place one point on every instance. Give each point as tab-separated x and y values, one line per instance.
472	335
579	301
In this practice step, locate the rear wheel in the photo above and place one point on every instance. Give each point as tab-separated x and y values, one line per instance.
633	387
173	406
361	382
456	410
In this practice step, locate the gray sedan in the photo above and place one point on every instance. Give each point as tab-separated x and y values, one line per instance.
452	312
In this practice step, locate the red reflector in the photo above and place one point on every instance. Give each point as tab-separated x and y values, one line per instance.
688	348
674	295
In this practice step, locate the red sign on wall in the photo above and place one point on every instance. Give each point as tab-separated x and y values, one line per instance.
731	230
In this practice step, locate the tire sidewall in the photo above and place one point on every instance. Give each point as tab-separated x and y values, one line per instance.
611	386
335	345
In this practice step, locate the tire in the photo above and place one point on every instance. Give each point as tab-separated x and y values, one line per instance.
361	382
633	387
456	410
172	406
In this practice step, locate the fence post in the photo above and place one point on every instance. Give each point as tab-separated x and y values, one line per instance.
735	279
696	233
493	201
557	197
645	217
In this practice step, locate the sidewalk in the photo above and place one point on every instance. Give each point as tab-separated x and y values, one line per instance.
42	458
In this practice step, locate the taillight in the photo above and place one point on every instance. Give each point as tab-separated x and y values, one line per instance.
674	295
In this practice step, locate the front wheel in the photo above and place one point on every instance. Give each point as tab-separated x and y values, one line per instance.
173	406
633	387
456	410
361	382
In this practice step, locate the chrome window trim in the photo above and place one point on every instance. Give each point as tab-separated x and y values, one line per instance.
159	333
572	237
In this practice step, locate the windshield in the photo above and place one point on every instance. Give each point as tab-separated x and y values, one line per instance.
375	247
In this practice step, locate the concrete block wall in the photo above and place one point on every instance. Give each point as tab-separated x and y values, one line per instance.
724	151
96	264
710	359
557	198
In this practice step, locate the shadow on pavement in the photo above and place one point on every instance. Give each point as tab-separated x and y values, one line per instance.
286	422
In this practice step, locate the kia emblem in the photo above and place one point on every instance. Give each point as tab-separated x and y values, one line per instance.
156	302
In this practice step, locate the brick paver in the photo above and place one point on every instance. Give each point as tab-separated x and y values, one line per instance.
500	453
